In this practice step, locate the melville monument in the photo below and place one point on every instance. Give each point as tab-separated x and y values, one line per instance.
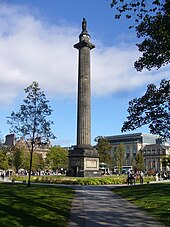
83	158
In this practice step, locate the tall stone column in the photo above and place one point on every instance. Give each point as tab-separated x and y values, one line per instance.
83	158
84	88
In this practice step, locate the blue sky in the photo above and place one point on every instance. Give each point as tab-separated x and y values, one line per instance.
36	44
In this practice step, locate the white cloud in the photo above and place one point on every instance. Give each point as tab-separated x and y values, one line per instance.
113	71
32	50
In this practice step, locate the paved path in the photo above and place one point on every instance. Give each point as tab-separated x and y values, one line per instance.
98	206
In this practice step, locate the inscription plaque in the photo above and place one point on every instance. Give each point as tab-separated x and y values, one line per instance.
90	163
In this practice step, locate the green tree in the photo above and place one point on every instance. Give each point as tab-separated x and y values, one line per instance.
139	162
26	161
4	162
21	159
153	108
18	158
31	122
152	23
38	162
166	160
57	157
104	150
119	156
151	20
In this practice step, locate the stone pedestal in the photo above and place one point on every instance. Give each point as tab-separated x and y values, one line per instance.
83	162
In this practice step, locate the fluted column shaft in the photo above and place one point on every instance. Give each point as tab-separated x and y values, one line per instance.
84	91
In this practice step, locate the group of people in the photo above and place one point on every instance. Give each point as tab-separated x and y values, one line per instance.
131	177
162	176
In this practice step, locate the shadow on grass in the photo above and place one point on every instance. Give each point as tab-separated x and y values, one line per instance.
35	206
153	198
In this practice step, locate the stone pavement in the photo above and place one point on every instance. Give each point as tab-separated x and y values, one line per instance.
98	206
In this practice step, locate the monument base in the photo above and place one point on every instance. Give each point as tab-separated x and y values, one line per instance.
83	162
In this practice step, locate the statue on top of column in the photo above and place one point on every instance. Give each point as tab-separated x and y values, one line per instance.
84	25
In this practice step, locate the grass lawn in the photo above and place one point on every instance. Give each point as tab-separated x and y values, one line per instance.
153	198
44	206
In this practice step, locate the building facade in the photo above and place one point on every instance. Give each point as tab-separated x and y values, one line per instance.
151	146
133	143
153	156
11	142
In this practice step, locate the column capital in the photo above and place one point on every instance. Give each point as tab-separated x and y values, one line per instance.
84	43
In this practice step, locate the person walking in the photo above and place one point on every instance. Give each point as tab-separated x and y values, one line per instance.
141	177
134	178
129	177
156	176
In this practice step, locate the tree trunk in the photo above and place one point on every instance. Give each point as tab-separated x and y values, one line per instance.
29	176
